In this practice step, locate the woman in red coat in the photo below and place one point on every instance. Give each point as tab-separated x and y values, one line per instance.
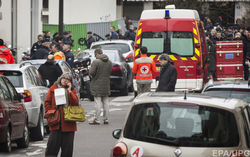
62	134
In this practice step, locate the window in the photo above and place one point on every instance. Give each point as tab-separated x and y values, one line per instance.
29	77
65	67
243	94
15	77
123	48
36	76
246	121
182	124
12	90
178	42
6	94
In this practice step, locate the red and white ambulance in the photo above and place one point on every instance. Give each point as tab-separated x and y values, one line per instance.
179	33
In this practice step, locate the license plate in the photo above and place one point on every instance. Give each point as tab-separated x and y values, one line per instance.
86	78
229	56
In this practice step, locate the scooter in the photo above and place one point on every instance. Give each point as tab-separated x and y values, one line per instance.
82	71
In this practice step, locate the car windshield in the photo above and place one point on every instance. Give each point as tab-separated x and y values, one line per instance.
15	77
243	94
123	48
182	124
169	42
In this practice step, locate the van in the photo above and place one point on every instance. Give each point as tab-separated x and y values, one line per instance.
179	33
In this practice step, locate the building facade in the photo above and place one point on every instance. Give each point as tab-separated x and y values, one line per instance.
20	22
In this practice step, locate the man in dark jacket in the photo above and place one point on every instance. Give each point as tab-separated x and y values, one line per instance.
68	54
37	45
168	75
100	72
44	51
90	39
130	34
50	71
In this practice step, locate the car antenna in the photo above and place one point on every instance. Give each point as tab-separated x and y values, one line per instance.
185	95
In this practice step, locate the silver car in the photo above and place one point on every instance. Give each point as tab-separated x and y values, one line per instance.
64	66
27	81
178	125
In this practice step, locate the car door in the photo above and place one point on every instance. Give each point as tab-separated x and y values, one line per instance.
16	108
38	81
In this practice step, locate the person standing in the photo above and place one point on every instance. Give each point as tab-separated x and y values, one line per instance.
143	69
113	33
90	39
100	72
5	54
168	75
37	45
56	50
44	51
68	54
50	71
62	134
130	34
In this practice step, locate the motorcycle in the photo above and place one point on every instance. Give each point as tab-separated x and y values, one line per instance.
82	71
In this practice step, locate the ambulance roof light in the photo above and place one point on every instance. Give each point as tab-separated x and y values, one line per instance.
170	6
167	14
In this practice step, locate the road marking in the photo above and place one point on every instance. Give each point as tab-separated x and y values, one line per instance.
41	145
37	152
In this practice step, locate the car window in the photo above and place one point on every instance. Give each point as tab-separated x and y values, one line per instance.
12	90
29	77
243	94
182	124
123	48
36	76
246	123
15	77
65	68
6	93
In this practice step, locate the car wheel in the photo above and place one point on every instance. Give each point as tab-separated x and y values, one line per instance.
124	91
7	144
24	141
37	133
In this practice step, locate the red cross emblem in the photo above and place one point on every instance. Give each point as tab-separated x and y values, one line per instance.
144	69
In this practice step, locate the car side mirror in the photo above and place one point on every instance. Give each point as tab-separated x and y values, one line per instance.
136	46
117	133
197	45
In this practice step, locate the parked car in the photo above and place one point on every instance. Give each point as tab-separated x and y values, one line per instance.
228	89
13	117
121	78
126	47
183	126
27	81
62	64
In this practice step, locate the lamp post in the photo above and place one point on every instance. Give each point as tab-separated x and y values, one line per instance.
61	25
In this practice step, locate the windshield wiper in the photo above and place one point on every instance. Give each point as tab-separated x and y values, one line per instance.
174	142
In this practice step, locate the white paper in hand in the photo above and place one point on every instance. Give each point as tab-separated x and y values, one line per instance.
60	96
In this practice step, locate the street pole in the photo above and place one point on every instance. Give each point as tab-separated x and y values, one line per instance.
61	25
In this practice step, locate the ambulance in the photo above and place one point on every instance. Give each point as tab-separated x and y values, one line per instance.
180	34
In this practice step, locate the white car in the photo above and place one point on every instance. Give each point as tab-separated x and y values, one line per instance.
28	82
126	47
166	124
